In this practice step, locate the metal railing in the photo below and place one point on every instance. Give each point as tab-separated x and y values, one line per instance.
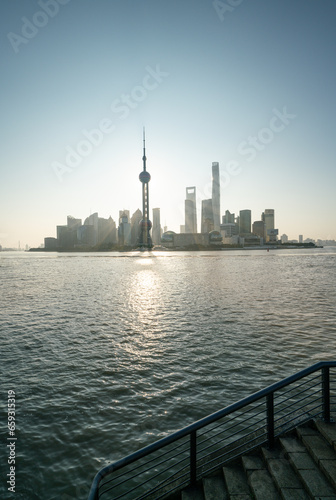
182	458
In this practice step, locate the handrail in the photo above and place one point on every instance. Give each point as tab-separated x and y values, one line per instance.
191	429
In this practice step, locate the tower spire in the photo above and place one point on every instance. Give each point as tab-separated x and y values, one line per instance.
144	150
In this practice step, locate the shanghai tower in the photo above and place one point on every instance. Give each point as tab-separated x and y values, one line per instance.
145	240
215	196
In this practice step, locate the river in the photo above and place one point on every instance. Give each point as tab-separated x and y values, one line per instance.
108	352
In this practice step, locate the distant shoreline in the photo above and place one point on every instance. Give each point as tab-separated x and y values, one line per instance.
294	246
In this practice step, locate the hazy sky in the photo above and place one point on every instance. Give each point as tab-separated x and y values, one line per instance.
250	84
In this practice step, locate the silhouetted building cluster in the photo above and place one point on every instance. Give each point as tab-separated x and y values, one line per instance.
96	231
138	231
231	230
241	231
100	233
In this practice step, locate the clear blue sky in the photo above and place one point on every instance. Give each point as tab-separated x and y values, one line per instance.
250	86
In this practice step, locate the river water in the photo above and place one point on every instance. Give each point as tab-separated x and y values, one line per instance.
108	352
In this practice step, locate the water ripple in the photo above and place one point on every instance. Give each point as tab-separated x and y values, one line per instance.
108	352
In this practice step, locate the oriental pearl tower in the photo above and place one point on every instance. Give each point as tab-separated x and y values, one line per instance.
145	240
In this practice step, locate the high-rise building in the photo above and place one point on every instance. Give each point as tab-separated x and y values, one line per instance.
145	239
92	220
300	238
50	243
245	222
156	231
135	226
86	235
124	229
190	210
268	217
67	235
215	196
228	229
107	230
228	218
97	231
207	223
123	214
73	223
258	228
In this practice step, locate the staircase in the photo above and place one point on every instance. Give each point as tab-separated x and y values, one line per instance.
301	466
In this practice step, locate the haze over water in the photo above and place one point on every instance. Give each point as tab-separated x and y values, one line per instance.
110	352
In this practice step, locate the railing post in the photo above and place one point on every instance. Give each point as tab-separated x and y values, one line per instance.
326	393
193	459
270	419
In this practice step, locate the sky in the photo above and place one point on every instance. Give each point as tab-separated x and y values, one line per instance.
246	83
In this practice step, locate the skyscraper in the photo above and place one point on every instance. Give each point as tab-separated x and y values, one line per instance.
258	228
135	227
124	228
156	231
190	210
215	196
245	222
92	220
268	218
145	239
207	224
228	218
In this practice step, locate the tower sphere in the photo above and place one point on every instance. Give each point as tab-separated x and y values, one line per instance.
145	224
144	176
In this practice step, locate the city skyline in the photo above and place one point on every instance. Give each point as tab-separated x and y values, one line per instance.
250	87
103	234
253	217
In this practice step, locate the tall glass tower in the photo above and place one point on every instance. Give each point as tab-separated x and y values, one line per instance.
190	210
216	196
145	239
245	222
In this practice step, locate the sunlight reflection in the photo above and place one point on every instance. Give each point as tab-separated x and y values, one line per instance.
145	287
145	283
145	298
145	261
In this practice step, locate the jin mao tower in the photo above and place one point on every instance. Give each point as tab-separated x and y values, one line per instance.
190	210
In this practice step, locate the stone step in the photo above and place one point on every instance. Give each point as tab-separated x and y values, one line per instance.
301	466
258	477
214	488
328	431
321	451
262	485
286	480
192	494
312	478
236	482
